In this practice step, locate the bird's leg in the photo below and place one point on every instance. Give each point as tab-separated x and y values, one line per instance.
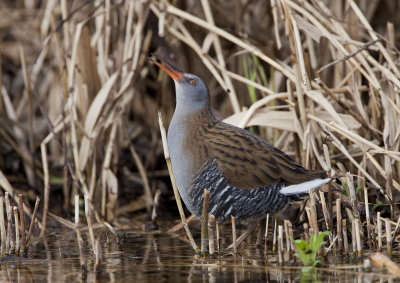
244	235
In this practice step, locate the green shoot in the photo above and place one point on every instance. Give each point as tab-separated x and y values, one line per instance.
376	206
307	252
345	188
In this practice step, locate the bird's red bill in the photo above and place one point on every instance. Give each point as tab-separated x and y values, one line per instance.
169	69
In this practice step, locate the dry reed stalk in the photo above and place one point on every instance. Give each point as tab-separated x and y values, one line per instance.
339	225
79	236
329	169
383	261
244	236
2	227
306	233
204	221
286	227
234	236
220	32
367	216
291	239
274	249
353	236
353	197
211	237
109	182
18	135
218	239
9	235
28	237
89	221
28	93
312	220
21	217
98	255
175	189
266	234
388	236
143	175
156	204
379	228
46	187
276	26
297	63
260	234
112	230
358	237
218	50
280	244
326	216
345	239
17	246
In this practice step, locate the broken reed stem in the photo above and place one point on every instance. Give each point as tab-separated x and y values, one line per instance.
211	237
261	232
28	237
339	225
21	217
16	231
156	204
89	222
46	178
388	236
345	239
379	227
3	227
280	244
9	235
266	234
313	211
368	219
286	224
234	236
353	236
291	237
383	261
358	237
306	234
330	197
143	175
79	236
175	189
326	217
311	220
204	221
352	193
274	236
98	255
218	236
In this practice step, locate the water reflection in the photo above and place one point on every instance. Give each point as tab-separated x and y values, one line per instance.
159	257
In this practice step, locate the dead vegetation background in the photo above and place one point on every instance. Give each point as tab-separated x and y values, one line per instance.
79	99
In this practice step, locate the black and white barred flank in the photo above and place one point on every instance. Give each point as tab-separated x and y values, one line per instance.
227	201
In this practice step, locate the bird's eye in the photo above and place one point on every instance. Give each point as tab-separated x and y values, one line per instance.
192	82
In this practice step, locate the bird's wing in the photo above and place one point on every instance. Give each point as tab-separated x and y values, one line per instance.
248	162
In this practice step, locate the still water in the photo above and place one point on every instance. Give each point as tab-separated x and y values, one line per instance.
159	257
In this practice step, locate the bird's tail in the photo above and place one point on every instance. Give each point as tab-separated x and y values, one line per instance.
298	190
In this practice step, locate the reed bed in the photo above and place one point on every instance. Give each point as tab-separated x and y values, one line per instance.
318	79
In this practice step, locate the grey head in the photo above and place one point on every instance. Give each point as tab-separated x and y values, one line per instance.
191	92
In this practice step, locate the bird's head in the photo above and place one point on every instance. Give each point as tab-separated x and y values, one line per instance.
191	92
